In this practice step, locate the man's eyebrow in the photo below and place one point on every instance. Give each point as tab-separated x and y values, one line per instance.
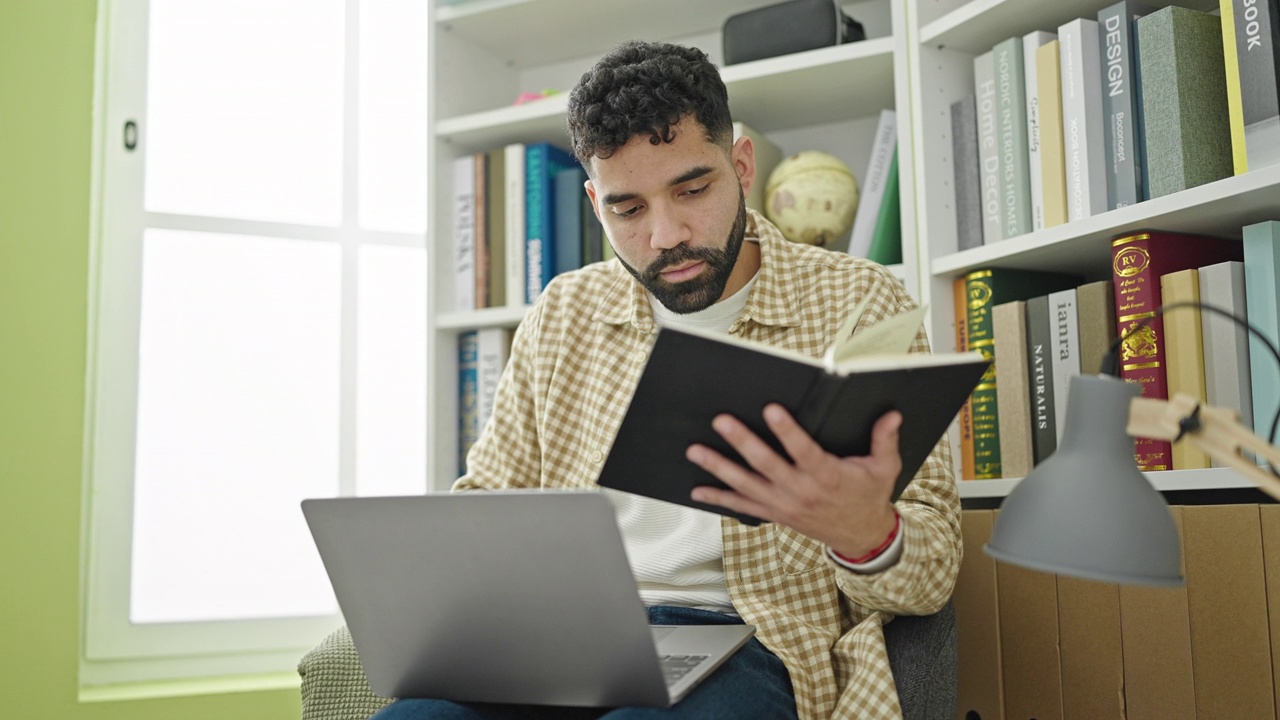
690	174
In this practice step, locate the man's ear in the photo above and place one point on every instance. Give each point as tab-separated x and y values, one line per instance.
590	187
743	156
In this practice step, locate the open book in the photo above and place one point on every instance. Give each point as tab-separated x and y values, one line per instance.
691	377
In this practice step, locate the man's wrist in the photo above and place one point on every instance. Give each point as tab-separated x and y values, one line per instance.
874	552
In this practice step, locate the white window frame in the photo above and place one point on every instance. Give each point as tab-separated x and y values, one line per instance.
114	649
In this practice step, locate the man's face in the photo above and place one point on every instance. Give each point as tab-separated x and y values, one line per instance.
676	216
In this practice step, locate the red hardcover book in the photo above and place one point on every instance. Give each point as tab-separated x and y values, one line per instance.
961	299
1137	262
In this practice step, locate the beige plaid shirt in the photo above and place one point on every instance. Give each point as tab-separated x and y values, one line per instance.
575	361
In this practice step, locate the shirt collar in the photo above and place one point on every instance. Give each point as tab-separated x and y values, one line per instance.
771	301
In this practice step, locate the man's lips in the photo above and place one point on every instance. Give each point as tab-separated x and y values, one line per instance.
683	272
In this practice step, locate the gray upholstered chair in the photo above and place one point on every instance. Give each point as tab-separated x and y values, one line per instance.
922	653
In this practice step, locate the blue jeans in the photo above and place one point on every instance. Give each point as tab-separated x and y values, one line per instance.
753	683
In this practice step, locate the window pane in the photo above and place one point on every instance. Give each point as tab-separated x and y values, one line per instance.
245	109
393	115
238	400
391	420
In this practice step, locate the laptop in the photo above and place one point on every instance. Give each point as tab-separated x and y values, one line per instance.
505	597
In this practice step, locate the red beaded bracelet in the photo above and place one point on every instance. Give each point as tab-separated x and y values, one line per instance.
897	522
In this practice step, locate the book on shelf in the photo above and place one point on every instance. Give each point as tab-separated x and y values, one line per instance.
693	376
1011	134
985	289
1257	30
984	86
541	163
468	395
1044	417
1226	344
767	155
495	213
967	181
1235	100
1138	261
1096	310
493	347
964	421
1084	150
1053	174
1184	351
1121	108
1031	42
480	277
1261	275
875	183
1184	100
1065	353
567	186
1013	403
513	170
886	238
464	233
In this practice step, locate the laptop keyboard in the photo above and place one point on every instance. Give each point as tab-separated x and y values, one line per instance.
675	667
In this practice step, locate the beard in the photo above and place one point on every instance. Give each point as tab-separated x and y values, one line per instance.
705	290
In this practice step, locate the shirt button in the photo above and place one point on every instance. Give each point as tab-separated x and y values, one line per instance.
641	356
596	457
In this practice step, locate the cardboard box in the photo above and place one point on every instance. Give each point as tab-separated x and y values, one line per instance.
978	623
1092	658
1227	601
1029	659
1271	560
1155	629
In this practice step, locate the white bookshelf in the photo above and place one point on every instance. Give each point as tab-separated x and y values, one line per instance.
1167	481
485	52
917	59
946	35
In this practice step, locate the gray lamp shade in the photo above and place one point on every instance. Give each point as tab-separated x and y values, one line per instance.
1087	511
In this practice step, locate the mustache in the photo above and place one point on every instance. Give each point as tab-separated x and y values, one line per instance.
677	255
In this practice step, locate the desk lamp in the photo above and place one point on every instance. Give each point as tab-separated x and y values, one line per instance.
1086	511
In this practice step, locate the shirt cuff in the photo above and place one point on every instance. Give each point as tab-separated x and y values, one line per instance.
879	563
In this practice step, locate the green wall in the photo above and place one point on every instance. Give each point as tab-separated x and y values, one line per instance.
46	104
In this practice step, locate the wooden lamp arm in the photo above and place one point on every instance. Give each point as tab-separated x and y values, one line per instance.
1220	434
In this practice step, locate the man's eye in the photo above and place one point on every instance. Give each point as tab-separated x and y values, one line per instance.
698	190
628	212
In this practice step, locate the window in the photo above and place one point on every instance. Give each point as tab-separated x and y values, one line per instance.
258	328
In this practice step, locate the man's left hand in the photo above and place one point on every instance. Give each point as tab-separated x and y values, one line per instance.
843	502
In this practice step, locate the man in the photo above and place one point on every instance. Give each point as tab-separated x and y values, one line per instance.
651	124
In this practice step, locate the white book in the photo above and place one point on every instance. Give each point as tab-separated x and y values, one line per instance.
1030	42
1064	328
873	184
1082	119
464	233
513	167
493	348
984	90
1226	344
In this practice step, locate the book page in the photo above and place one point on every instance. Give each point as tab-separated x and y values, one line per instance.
892	336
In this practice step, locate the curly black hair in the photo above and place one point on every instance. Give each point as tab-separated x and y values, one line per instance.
644	87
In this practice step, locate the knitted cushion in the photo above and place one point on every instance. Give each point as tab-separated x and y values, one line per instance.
333	683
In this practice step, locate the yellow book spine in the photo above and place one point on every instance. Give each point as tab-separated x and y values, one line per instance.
1184	354
1052	165
1235	109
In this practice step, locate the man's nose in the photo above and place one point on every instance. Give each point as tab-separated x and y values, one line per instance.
669	229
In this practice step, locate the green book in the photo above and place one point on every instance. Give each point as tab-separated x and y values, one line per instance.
1262	304
886	238
1011	138
984	290
1184	99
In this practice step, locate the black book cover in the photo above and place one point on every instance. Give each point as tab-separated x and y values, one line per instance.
691	378
1044	425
